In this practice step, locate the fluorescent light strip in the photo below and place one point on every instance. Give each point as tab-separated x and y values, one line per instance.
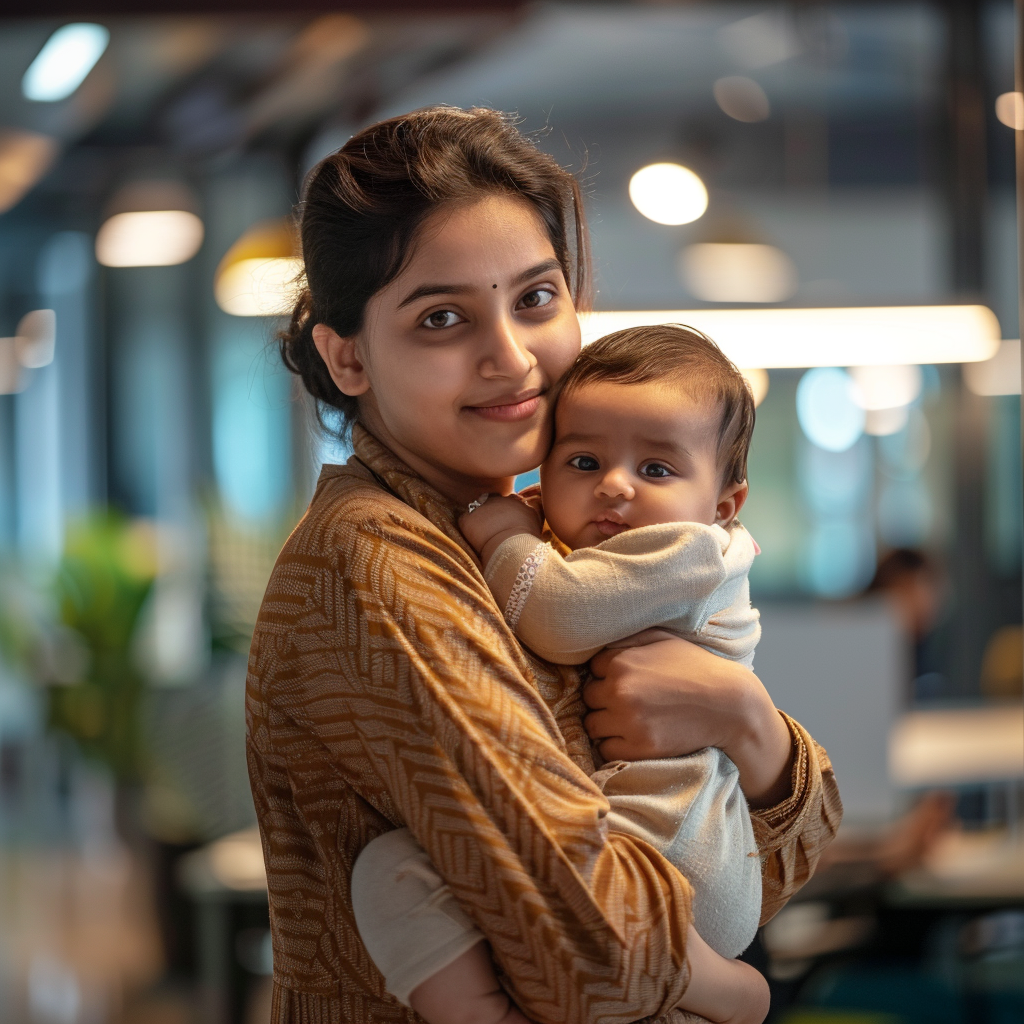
857	336
66	58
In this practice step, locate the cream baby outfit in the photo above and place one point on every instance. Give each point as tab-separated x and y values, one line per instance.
687	578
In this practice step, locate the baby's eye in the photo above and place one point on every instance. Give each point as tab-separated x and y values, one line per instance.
538	297
655	470
586	463
441	318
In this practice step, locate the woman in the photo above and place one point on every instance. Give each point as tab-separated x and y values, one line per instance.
445	258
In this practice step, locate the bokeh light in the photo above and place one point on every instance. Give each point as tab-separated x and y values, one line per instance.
1010	110
65	59
741	98
737	272
668	193
828	408
259	287
149	238
886	387
758	380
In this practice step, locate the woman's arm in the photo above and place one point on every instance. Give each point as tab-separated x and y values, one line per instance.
670	697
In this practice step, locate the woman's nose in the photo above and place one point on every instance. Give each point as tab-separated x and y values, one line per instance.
615	484
507	355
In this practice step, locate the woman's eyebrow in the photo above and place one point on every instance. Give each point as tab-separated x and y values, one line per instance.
426	290
535	271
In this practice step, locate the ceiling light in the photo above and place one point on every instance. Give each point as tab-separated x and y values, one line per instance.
737	272
758	381
66	58
858	336
741	98
668	193
24	158
999	375
260	275
1010	110
886	387
828	410
149	238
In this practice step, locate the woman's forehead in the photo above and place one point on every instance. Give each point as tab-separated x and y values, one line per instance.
464	243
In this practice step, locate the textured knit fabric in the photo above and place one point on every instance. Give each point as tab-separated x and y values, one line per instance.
688	578
385	689
692	810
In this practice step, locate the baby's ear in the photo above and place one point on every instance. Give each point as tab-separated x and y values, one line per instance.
730	501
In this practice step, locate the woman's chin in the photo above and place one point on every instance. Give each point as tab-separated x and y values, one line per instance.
505	456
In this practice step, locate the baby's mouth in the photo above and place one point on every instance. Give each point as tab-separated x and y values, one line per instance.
610	524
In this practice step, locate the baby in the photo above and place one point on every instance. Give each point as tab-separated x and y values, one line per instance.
642	488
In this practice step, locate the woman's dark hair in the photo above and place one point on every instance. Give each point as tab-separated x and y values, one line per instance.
683	355
363	205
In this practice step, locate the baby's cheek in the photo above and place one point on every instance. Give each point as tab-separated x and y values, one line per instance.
565	514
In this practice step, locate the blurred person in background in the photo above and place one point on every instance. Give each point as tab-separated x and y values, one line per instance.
446	259
914	585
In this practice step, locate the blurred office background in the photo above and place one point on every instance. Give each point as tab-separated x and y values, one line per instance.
851	160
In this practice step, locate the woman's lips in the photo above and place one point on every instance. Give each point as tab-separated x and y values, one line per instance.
508	411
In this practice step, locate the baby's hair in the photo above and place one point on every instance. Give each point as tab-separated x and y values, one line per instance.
683	355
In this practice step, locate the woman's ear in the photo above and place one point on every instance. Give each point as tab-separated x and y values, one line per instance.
343	363
730	501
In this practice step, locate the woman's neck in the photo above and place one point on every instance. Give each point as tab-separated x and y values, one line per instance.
459	488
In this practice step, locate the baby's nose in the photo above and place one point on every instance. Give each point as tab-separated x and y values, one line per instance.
615	484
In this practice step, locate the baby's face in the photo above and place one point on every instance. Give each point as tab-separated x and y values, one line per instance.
627	456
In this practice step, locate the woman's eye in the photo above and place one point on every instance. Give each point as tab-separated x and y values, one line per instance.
441	318
656	470
537	298
587	463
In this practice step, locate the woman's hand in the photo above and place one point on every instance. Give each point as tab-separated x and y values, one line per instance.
663	696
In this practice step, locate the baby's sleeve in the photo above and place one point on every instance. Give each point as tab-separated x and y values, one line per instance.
567	608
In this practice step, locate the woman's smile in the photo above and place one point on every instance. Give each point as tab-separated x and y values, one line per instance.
509	408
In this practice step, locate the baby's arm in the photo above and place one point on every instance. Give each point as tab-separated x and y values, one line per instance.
723	991
567	609
496	520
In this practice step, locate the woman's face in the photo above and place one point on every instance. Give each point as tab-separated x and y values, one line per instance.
457	359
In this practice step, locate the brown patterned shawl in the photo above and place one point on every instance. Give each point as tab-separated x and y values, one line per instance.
385	689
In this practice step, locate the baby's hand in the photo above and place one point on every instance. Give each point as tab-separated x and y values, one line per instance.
497	519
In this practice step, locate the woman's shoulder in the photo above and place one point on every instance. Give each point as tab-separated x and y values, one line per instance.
357	531
349	509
